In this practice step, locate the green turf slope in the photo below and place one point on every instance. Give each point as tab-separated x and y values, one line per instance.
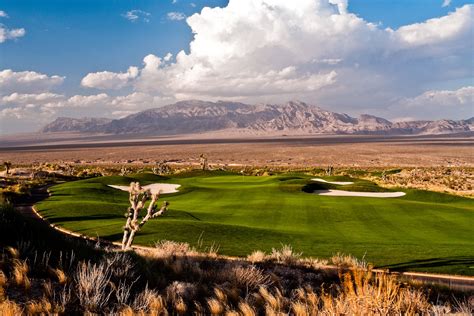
423	230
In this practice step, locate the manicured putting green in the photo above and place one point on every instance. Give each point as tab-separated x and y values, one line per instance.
422	230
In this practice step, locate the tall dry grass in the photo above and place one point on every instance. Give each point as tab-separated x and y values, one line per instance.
278	284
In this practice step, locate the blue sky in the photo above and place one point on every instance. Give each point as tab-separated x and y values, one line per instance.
73	38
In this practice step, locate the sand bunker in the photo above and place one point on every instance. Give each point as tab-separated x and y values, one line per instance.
338	183
362	194
163	188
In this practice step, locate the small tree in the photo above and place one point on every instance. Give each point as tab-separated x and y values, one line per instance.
8	165
125	171
329	170
203	162
161	168
138	198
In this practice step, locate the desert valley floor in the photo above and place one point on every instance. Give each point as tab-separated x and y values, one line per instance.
356	151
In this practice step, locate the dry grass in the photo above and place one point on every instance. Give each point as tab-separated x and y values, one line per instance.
167	248
347	261
257	256
59	275
92	285
250	277
215	306
148	301
284	255
9	308
458	181
207	285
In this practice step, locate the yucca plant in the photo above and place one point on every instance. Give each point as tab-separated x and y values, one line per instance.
138	198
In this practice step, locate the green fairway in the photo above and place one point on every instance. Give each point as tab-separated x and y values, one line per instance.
422	231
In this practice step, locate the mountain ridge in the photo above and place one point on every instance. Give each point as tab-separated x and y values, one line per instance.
293	117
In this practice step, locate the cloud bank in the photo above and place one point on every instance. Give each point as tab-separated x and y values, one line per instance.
275	50
312	49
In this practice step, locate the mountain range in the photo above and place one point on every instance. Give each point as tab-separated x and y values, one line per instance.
291	118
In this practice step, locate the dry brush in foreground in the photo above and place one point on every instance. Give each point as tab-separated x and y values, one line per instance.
174	279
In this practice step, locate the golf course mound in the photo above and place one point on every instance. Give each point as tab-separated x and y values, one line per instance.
421	231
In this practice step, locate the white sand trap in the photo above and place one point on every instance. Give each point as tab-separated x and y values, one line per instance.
363	194
163	188
338	183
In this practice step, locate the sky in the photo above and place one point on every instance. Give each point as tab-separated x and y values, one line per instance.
401	60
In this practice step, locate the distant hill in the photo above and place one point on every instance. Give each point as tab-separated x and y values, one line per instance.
67	124
294	117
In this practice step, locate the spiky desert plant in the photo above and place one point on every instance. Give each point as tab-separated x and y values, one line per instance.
138	198
203	162
125	171
161	168
7	165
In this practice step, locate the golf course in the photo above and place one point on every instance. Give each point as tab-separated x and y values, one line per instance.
419	231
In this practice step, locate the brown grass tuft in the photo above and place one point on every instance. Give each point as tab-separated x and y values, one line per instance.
347	261
251	277
148	301
215	306
285	255
92	281
257	256
9	308
42	306
20	274
14	253
246	309
180	306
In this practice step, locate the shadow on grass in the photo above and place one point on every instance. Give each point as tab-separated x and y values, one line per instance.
113	237
431	263
82	218
119	236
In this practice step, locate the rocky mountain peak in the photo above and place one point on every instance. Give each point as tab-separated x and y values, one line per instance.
292	117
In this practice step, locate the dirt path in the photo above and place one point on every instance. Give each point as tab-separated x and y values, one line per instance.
455	282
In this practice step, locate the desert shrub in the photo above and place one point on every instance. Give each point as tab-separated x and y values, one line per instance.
257	256
250	277
148	301
93	285
285	255
348	261
167	248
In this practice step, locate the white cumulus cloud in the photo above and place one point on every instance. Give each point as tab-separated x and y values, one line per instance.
7	33
315	50
27	81
109	80
455	26
453	98
438	104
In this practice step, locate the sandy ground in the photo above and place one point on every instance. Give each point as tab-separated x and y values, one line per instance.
162	188
361	194
347	151
17	172
332	182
